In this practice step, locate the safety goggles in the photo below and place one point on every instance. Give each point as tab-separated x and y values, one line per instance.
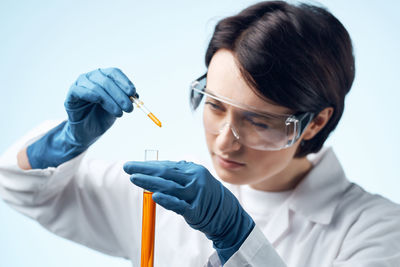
250	127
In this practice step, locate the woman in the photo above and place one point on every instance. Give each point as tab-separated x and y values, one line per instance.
274	90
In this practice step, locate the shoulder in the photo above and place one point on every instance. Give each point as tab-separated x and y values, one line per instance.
368	218
362	204
348	201
369	227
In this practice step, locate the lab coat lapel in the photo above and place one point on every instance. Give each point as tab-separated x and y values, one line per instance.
278	225
316	197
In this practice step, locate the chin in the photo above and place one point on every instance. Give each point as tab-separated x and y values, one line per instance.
234	178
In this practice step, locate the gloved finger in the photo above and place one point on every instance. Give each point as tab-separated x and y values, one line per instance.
74	100
94	95
120	79
112	89
171	203
106	102
157	184
166	169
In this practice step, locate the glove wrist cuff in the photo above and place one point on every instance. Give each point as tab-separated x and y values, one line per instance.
53	149
227	246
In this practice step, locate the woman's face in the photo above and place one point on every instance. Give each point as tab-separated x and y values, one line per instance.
234	162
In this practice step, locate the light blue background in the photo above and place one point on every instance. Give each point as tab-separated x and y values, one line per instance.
160	45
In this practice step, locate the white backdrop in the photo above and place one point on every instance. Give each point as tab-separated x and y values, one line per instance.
160	45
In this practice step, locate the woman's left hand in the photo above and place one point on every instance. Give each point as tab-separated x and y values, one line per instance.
191	191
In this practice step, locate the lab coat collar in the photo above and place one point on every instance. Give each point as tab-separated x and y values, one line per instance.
318	195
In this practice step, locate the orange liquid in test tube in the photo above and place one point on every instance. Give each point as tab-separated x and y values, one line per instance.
148	228
148	220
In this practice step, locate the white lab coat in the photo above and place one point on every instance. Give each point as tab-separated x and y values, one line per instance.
326	220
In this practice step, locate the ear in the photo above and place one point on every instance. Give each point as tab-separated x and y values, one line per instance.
319	122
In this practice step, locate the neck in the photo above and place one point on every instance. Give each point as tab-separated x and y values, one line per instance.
287	179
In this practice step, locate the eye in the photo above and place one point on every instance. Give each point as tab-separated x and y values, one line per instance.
260	124
214	106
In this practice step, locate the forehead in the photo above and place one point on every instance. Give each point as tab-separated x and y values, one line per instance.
224	79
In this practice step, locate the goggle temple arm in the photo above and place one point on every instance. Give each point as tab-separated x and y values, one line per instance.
304	120
300	122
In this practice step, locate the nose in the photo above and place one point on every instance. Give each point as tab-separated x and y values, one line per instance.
227	139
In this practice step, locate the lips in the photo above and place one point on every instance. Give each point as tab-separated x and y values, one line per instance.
229	164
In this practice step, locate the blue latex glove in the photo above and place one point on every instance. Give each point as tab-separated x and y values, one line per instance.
93	103
191	191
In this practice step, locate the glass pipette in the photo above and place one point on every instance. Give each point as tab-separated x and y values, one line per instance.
141	105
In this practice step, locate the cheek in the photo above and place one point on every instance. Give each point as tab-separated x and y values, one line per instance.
207	135
265	164
210	139
261	165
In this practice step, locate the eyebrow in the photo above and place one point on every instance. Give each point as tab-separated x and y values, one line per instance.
215	101
255	115
259	114
210	93
213	97
246	113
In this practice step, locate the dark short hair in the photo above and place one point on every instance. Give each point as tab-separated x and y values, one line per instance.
298	56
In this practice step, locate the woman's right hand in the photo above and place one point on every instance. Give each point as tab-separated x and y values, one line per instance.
94	102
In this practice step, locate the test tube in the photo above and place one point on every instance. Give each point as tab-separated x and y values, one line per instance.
148	220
